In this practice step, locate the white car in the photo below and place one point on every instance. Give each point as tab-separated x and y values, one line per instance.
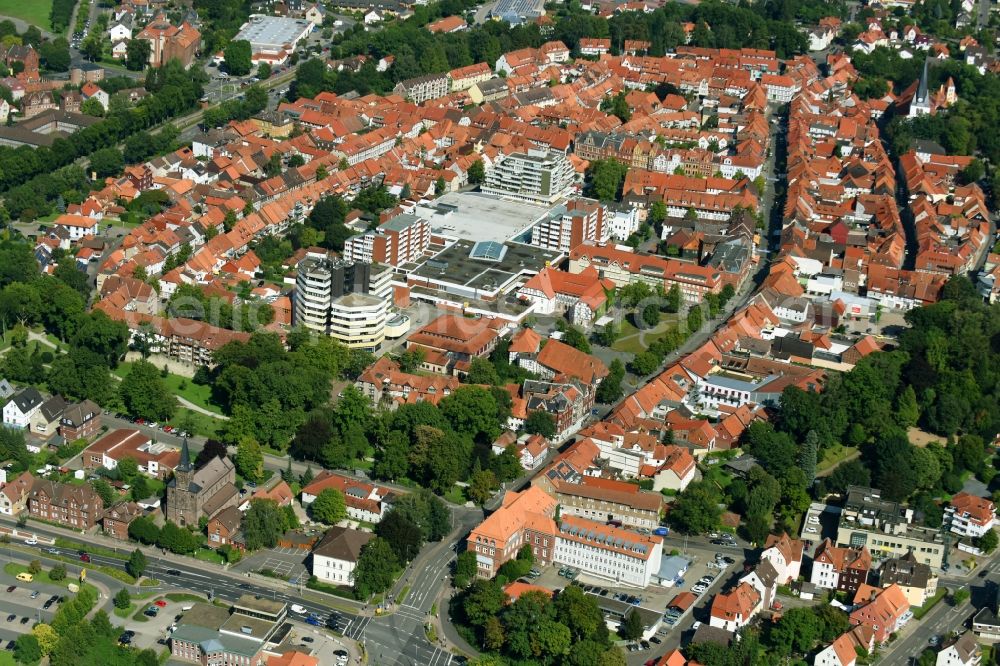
814	520
698	589
31	542
301	610
811	530
694	627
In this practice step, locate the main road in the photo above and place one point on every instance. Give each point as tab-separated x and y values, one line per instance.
396	638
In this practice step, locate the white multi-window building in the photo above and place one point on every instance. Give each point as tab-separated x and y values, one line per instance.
538	176
347	301
18	412
971	516
608	552
336	555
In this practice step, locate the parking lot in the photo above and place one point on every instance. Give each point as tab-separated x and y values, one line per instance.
288	563
154	629
321	644
24	605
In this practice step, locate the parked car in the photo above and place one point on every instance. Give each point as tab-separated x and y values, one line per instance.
161	603
11	617
25	620
34	595
11	588
307	639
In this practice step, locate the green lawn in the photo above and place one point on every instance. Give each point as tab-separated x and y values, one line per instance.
13	569
32	11
834	456
182	386
634	341
456	495
195	422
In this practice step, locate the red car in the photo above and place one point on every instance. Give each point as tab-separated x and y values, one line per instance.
161	603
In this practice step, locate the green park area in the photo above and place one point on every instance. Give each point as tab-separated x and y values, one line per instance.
36	12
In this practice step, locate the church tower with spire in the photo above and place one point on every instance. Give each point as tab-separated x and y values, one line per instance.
192	494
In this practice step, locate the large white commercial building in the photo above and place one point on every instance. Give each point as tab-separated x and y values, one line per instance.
273	38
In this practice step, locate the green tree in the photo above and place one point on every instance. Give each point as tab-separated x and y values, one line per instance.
472	411
960	596
644	363
47	637
376	568
482	483
329	507
657	212
58	572
694	318
136	564
477	172
484	599
391	459
988	542
907	409
540	423
144	394
263	524
631	629
238	57
807	458
122	599
104	491
575	338
27	650
144	530
402	534
465	569
93	107
137	53
605	179
696	510
179	540
107	162
264	73
482	371
610	389
128	469
249	460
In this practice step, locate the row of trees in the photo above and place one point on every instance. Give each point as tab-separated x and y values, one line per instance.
174	91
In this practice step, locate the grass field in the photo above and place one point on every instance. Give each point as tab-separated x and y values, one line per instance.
833	456
183	386
32	11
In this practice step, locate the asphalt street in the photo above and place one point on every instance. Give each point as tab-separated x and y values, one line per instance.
396	639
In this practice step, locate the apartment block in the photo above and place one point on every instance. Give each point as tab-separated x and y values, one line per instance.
77	507
577	221
537	176
886	528
422	88
401	240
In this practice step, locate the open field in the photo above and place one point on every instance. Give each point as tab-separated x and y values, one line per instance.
35	12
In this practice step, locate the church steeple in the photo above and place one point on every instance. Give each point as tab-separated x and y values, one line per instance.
185	465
